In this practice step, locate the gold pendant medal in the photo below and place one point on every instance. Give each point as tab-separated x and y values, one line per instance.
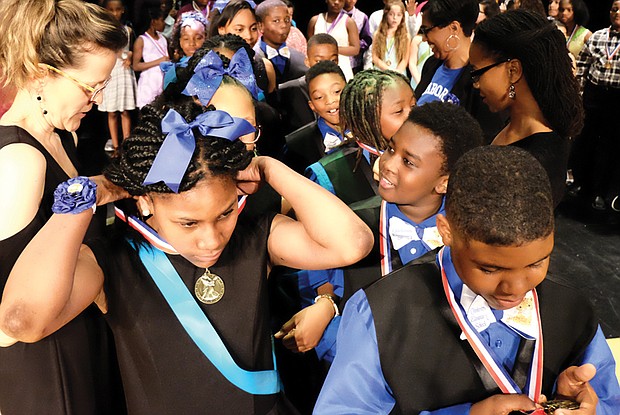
608	65
388	63
209	288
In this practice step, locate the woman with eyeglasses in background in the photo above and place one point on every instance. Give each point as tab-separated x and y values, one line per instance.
521	66
447	26
57	55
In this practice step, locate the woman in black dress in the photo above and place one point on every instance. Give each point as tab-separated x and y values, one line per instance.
58	56
521	65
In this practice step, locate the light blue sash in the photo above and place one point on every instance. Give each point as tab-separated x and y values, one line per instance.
199	328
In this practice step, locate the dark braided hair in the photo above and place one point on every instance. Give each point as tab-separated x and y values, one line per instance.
174	91
501	196
212	156
541	49
360	105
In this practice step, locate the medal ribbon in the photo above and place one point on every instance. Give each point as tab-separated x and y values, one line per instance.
384	243
370	149
610	54
499	375
157	45
335	22
572	34
200	329
151	235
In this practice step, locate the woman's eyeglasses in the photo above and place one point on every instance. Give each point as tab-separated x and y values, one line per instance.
423	30
94	92
475	75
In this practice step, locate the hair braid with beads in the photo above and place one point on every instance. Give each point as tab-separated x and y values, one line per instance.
360	105
212	157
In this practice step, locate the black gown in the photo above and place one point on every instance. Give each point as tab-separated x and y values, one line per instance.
163	370
72	370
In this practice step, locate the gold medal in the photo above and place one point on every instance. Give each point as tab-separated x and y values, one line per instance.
209	288
608	65
388	63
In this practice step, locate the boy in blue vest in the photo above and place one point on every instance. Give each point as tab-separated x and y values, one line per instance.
465	335
274	22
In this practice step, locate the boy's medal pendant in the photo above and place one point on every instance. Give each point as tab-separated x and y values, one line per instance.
388	63
209	288
608	65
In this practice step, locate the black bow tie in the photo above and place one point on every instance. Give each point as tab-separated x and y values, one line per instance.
613	33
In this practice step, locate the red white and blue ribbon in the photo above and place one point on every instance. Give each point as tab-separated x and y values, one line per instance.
498	373
384	243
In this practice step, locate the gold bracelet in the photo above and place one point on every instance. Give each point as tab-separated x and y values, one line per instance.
331	299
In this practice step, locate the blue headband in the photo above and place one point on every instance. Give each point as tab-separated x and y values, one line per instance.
210	71
176	152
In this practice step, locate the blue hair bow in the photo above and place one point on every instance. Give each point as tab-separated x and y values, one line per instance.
176	152
220	4
170	70
210	71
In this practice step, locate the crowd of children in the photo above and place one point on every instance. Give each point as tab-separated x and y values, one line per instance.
405	273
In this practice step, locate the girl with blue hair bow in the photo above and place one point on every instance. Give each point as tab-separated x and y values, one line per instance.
184	290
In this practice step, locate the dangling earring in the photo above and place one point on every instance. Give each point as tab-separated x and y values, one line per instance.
456	39
511	91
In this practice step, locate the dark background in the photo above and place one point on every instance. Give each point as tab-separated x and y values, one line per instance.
305	9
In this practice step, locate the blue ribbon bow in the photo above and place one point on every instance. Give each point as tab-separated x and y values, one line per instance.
170	70
176	152
221	4
210	71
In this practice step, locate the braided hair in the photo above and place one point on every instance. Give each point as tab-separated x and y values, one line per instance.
360	105
541	49
174	91
213	157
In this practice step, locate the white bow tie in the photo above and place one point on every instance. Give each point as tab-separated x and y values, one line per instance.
401	233
520	318
272	53
331	141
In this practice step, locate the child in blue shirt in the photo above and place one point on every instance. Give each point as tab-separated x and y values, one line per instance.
465	335
413	176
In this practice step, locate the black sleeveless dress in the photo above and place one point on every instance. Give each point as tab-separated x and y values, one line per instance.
70	371
163	370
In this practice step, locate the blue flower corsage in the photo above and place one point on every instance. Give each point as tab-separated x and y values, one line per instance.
75	196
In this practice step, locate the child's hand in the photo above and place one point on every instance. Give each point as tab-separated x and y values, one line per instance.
305	329
502	405
574	384
249	180
128	59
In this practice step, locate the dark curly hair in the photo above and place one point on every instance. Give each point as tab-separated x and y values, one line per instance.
541	49
501	196
174	91
174	48
360	105
212	156
456	130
